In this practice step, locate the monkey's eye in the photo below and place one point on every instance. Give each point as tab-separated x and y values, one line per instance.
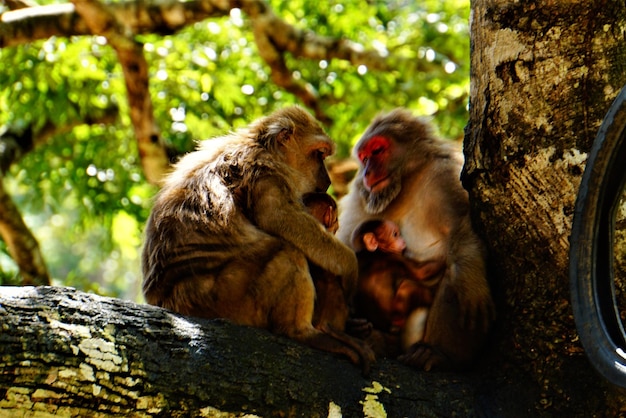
377	151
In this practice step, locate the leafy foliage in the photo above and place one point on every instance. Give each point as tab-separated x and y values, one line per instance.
83	193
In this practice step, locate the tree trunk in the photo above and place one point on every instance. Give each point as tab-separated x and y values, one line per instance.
544	73
69	353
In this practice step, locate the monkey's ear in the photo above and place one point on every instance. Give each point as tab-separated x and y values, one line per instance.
283	136
328	216
280	130
370	241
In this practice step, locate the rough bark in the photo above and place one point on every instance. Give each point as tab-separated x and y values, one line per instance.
543	75
69	353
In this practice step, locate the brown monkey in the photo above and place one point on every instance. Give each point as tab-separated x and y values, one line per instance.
379	234
410	177
323	208
385	236
331	306
393	292
228	236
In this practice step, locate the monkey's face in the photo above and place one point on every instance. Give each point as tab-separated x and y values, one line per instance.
299	141
306	157
374	155
389	238
380	176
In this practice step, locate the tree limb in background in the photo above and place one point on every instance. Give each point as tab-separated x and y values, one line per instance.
162	17
19	4
21	243
152	150
274	37
15	143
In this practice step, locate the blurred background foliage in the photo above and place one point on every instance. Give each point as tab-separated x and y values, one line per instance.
83	193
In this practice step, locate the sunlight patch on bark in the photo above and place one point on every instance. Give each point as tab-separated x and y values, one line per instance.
334	410
548	178
372	407
211	412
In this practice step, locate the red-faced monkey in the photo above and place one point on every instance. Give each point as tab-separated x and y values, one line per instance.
229	237
413	179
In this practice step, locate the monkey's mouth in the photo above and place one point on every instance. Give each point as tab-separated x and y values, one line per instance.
398	323
377	185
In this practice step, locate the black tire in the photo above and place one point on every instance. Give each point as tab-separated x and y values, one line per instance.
591	248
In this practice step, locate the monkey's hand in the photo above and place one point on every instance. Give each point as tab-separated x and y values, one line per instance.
476	307
359	327
278	214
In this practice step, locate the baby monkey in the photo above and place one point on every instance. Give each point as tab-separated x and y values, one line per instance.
323	208
394	292
331	304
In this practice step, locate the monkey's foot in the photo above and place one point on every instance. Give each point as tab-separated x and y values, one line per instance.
426	357
352	346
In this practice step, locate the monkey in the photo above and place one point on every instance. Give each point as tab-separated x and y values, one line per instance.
228	235
385	236
378	234
323	208
331	307
393	292
412	178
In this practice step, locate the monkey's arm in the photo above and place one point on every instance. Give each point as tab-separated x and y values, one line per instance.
468	278
279	215
465	273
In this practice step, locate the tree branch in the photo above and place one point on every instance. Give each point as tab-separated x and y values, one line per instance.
88	355
274	37
15	143
307	44
21	243
19	4
162	17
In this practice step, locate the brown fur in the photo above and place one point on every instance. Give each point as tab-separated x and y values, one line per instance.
424	196
323	208
331	307
391	287
229	237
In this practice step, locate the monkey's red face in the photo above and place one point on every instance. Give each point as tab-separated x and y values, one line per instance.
374	155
